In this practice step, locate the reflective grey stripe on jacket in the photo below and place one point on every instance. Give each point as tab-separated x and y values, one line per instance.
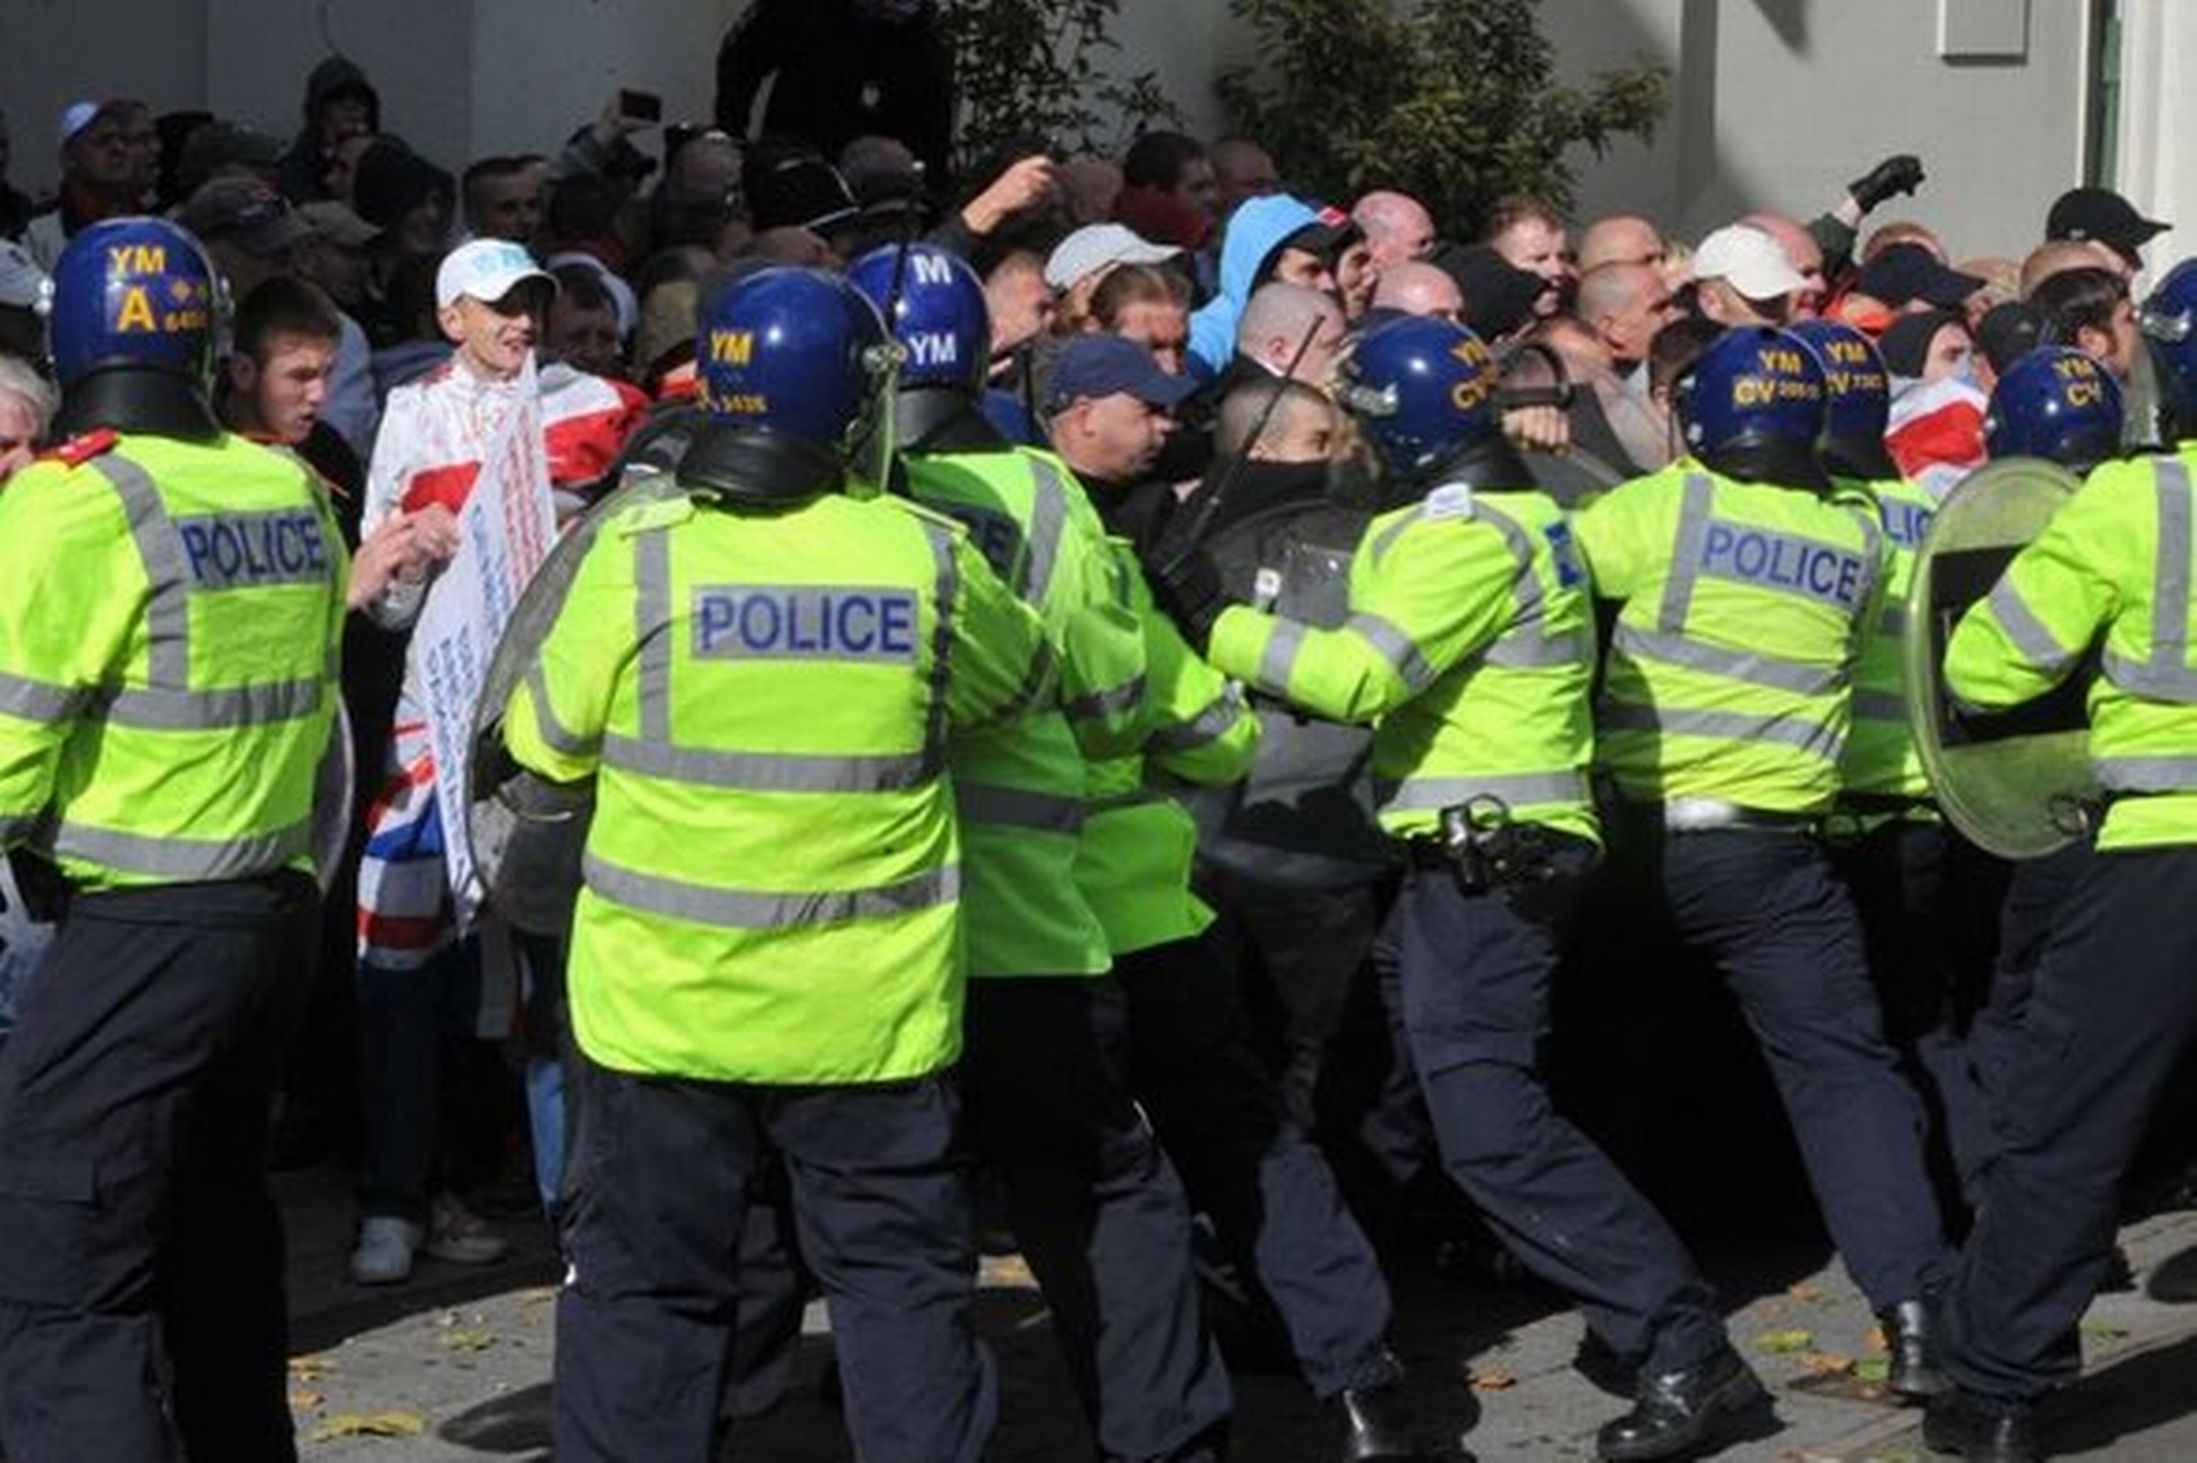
766	910
1738	726
1432	794
186	860
2164	674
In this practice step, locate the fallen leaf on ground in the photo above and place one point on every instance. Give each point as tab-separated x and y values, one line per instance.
1875	1341
1803	1290
459	1338
369	1425
1785	1342
2104	1331
1490	1381
1827	1363
1876	1370
310	1368
306	1400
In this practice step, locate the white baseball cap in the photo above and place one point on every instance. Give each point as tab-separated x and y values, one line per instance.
1101	246
486	270
1748	260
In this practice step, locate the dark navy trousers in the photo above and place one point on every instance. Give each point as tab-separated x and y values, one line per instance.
658	1189
2111	1012
1765	907
142	1316
1476	971
1248	1166
1098	1211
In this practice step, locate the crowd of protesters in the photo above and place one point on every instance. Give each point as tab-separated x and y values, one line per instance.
1163	319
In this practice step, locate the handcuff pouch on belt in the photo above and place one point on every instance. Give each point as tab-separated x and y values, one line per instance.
1487	850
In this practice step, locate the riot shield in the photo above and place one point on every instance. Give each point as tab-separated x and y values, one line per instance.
2019	784
528	833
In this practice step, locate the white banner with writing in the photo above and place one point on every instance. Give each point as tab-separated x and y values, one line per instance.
506	529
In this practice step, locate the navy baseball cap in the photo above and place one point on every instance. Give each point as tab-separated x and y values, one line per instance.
1907	272
1102	365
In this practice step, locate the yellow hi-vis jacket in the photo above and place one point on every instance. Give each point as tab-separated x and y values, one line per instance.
1138	842
1881	759
1019	787
2113	565
171	613
1744	608
1471	646
772	879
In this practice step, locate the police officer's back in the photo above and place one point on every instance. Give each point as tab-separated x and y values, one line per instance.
1044	1066
1468	642
761	674
170	612
2112	1010
1745	583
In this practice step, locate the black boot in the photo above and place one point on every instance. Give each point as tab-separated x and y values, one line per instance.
1911	1345
1678	1412
1978	1430
1378	1427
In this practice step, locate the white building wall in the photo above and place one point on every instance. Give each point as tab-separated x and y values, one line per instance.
1776	102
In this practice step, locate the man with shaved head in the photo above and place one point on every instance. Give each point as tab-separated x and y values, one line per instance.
1414	288
1622	238
1396	226
1288	330
2057	256
1624	305
1806	254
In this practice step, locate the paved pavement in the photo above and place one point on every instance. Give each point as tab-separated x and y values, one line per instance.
454	1365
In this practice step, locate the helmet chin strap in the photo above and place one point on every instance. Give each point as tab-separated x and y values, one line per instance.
137	399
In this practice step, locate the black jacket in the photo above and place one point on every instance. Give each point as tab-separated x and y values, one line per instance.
842	74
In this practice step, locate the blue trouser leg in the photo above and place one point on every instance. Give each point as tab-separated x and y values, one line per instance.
1476	1002
2112	1012
1264	1183
1906	878
1098	1211
1785	939
658	1203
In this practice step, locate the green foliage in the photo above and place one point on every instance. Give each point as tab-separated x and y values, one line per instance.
1452	101
1037	68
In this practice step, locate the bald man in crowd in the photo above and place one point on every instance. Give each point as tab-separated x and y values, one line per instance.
1413	288
1288	330
1622	238
1396	226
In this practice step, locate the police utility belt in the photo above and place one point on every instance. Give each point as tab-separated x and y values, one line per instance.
1478	842
1715	815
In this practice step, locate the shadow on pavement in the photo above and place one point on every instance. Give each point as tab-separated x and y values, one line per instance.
516	1423
2126	1399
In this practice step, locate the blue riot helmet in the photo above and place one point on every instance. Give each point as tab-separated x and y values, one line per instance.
1857	399
1752	407
1425	392
134	318
935	307
2169	320
794	369
2056	403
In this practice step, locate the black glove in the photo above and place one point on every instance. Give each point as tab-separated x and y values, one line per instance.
1899	174
1188	588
